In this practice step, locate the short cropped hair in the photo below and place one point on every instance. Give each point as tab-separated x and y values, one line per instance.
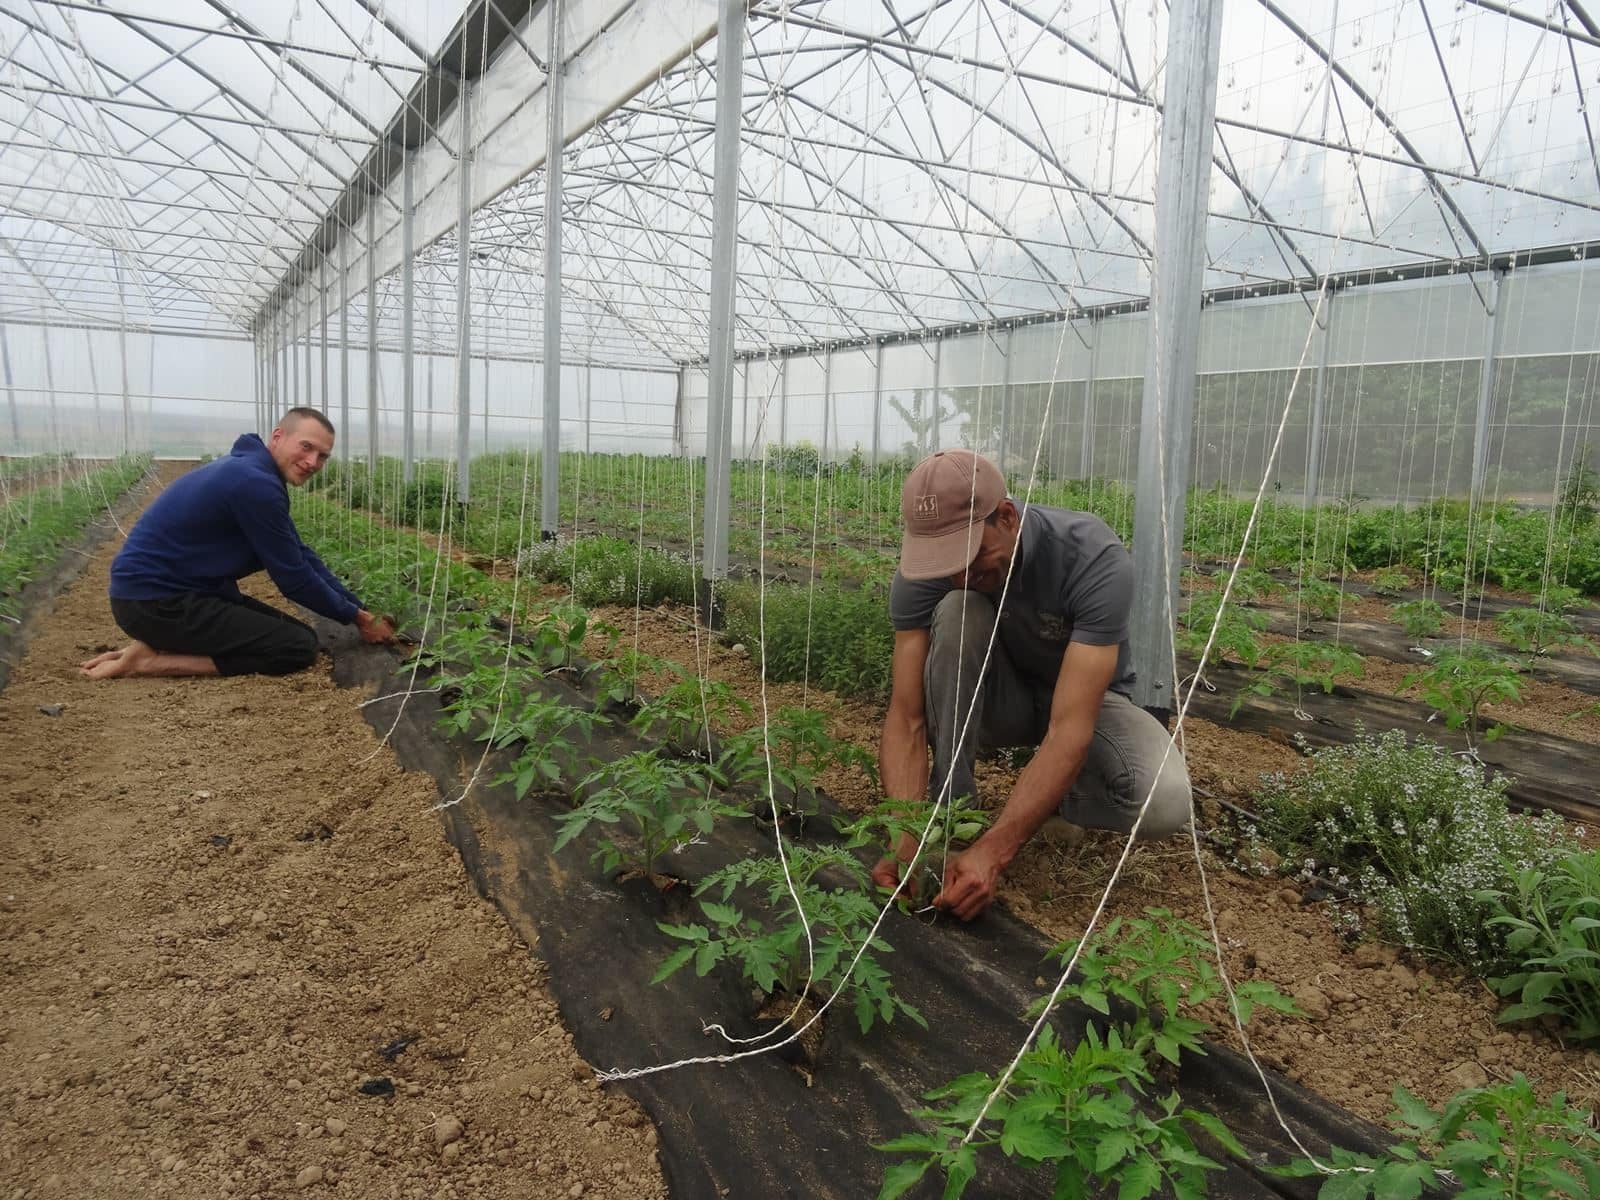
296	415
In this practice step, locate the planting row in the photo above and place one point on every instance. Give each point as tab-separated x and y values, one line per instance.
845	518
1422	847
35	528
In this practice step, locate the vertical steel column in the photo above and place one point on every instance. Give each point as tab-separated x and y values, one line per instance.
1491	355
11	393
934	421
94	387
783	401
1183	174
550	473
588	406
1005	400
127	403
744	418
322	300
719	365
827	402
463	295
408	292
678	446
877	407
1319	404
1086	448
427	429
310	400
50	387
372	332
255	375
290	335
486	394
344	344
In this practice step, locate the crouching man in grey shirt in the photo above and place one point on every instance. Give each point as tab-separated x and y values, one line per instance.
1058	676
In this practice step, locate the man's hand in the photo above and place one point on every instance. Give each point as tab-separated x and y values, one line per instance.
376	630
970	879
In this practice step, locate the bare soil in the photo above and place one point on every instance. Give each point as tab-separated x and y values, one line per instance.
240	959
1374	1018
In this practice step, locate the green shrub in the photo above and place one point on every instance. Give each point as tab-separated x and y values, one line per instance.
837	637
1419	835
608	570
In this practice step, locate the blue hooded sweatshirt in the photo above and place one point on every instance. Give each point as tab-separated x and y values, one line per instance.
219	523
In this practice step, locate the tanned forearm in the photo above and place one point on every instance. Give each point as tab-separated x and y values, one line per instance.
1040	788
903	768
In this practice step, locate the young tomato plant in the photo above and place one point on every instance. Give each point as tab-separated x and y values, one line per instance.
1536	632
685	714
1079	1111
1419	618
665	805
1320	664
774	957
799	748
1236	633
1458	683
1499	1142
887	823
545	727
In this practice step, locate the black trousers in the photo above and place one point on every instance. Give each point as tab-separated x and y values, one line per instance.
242	636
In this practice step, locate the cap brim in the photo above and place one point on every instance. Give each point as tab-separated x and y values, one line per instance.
942	555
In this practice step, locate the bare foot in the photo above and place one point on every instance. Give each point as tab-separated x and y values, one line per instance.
106	656
114	664
138	658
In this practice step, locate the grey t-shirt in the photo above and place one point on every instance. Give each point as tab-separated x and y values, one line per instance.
1072	582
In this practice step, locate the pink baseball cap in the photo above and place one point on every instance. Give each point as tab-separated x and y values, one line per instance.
943	505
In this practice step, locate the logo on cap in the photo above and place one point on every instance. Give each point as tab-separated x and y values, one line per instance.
926	508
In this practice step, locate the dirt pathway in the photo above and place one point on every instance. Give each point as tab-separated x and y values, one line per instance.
227	919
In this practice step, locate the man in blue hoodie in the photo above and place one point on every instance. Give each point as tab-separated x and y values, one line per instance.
174	584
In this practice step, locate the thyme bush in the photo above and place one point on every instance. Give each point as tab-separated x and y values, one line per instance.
1419	836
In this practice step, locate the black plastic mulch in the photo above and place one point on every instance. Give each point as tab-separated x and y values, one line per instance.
760	1127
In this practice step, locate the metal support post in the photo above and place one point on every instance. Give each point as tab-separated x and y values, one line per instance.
408	295
427	428
719	365
293	342
588	406
94	386
550	463
933	418
463	295
344	344
827	402
486	395
1491	356
1319	404
1005	400
783	401
255	375
372	332
1086	447
322	329
1194	39
11	393
50	388
877	406
127	402
310	400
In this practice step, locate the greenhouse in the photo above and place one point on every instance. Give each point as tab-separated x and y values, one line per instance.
799	597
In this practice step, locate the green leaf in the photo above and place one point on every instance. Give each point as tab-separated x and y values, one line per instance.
1028	1137
674	961
1346	1185
722	914
1141	1178
706	956
1112	1148
902	1177
960	1172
